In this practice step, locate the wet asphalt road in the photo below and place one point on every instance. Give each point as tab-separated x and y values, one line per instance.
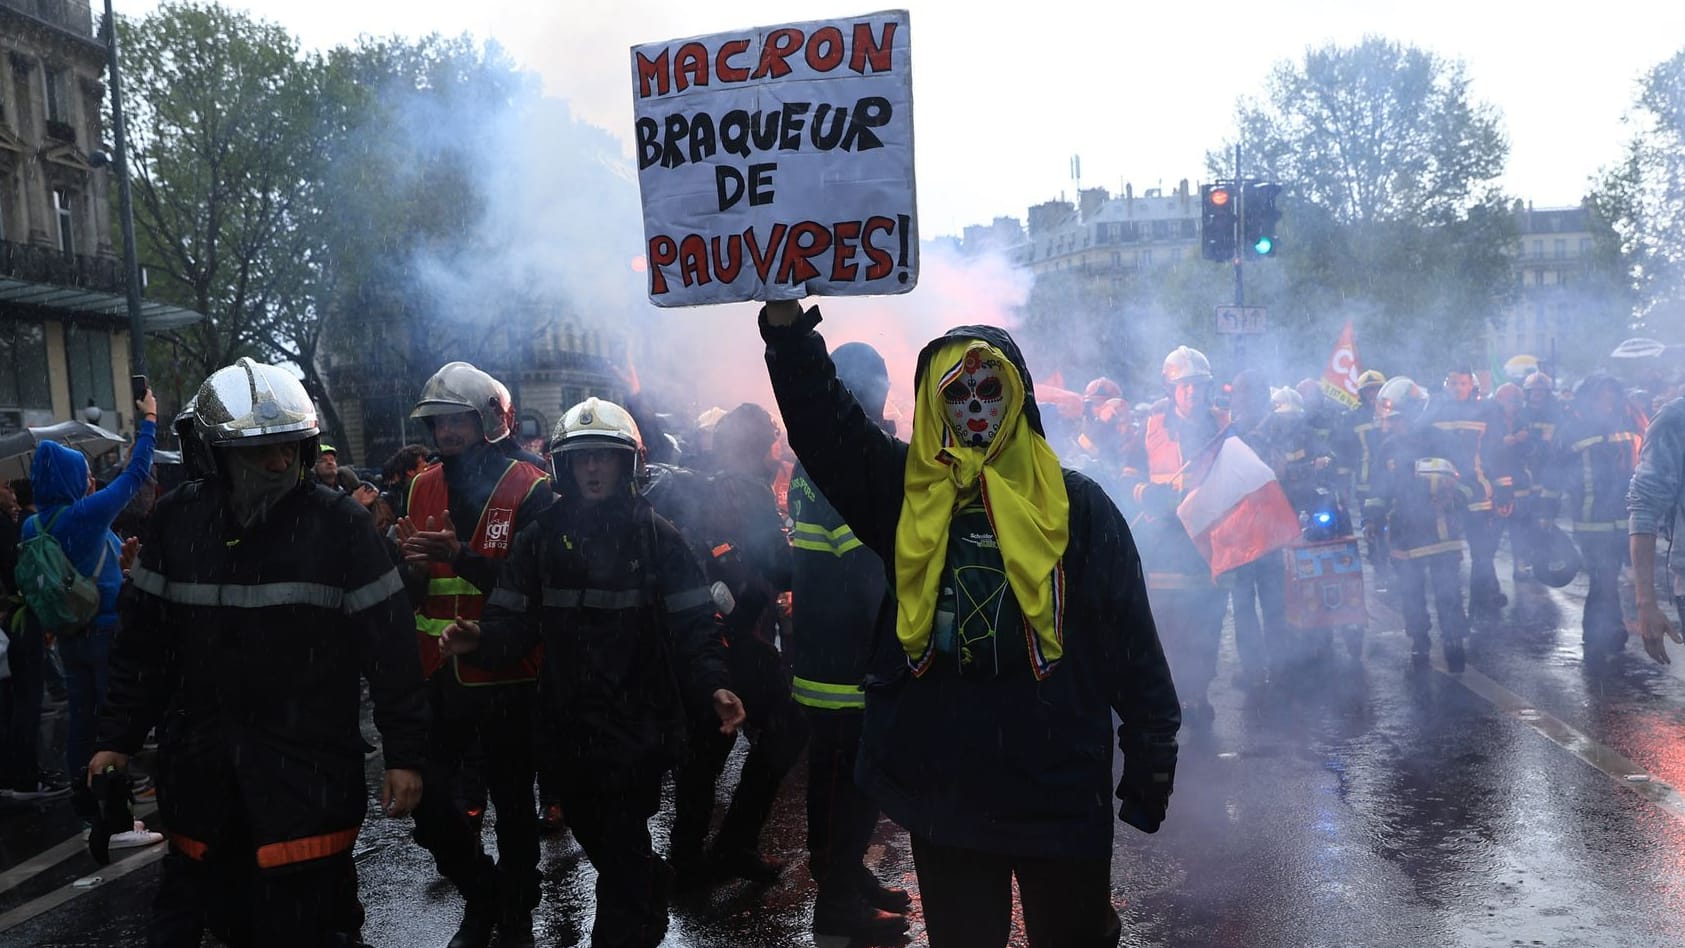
1358	802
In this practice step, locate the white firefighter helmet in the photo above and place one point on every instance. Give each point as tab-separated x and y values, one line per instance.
1286	401
460	387
250	403
597	423
1400	396
1184	363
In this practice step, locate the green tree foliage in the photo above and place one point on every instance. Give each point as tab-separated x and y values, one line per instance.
223	119
1392	216
1642	201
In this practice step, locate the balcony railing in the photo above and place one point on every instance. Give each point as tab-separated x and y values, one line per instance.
71	15
34	263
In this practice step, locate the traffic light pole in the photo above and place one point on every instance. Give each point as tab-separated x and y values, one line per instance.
1240	229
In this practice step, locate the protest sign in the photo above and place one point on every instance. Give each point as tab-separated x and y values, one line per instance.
777	162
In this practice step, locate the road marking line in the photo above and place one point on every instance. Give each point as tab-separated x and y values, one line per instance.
1559	732
88	883
40	862
1564	735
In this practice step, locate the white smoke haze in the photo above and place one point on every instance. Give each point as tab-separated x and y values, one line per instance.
559	224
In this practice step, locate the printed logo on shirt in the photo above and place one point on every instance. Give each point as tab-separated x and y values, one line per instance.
500	526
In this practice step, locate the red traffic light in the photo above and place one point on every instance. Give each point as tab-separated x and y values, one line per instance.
1219	196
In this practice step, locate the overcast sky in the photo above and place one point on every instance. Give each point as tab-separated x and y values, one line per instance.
1003	102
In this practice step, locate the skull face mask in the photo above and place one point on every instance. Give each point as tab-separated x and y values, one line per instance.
974	393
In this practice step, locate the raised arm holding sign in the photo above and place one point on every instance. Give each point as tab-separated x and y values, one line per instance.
777	162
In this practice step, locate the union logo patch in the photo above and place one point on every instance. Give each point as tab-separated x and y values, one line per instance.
500	526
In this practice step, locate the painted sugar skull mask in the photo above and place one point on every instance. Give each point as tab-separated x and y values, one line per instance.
974	392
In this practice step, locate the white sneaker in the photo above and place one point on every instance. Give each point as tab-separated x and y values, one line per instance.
135	838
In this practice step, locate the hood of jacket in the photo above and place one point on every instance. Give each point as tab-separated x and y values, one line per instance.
58	475
1000	339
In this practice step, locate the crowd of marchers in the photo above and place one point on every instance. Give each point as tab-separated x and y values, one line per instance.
1424	475
953	624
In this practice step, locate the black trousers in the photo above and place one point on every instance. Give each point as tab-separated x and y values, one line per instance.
310	904
1190	624
1261	586
967	898
1604	555
499	718
840	816
1484	531
1441	572
20	705
777	732
611	823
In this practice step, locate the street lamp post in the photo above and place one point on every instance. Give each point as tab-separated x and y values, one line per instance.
125	201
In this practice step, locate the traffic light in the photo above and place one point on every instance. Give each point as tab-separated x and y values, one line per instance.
1261	218
1218	207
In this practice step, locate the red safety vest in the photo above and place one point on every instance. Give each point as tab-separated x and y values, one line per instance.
449	596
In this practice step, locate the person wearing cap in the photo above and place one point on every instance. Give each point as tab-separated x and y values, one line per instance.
619	605
462	516
329	474
258	602
1022	626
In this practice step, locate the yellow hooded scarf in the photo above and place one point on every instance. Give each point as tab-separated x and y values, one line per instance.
1023	493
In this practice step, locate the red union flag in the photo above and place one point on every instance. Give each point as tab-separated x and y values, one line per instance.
1339	378
1238	513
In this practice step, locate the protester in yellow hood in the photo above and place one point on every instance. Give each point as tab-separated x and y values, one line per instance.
1020	626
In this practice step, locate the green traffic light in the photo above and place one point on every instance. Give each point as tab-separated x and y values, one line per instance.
1263	246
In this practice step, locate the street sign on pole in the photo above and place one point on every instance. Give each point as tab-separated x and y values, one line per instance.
1241	320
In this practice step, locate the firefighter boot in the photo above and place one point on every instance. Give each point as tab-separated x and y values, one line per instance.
476	928
888	898
847	914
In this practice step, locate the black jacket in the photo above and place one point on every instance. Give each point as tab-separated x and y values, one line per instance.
628	629
841	603
1012	764
247	646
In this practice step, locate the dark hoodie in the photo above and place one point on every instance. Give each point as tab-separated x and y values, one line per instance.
1006	764
59	477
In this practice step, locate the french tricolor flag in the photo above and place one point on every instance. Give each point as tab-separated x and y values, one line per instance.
1238	512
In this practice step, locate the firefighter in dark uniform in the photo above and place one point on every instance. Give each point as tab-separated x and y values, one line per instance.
630	641
1597	453
1186	603
1354	459
841	608
463	515
1508	463
1459	412
742	543
1418	491
258	602
1544	417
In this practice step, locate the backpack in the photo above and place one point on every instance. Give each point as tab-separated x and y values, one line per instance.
61	598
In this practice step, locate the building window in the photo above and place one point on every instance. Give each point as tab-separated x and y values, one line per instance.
1538	249
1161	230
23	366
65	213
1144	259
1585	246
1560	248
53	90
87	352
